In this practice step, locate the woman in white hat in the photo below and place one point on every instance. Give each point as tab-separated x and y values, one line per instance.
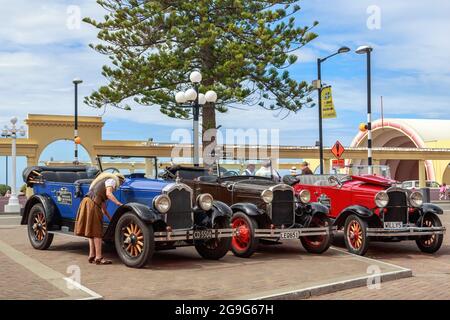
89	221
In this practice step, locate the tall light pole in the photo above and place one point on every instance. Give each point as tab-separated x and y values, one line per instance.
193	99
76	82
367	51
13	205
319	89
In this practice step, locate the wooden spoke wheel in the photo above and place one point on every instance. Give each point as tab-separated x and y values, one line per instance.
244	243
430	243
134	240
355	232
318	244
214	249
38	233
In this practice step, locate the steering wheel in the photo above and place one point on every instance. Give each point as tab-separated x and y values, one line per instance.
112	169
230	174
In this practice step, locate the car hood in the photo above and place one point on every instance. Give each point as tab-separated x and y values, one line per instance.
375	180
146	184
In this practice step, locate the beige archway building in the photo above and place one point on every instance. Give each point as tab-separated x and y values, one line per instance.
422	147
411	133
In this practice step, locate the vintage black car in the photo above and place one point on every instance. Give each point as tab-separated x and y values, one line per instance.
263	210
156	214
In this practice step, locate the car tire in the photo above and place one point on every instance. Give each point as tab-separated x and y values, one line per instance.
318	244
214	249
244	244
430	244
134	240
37	226
355	235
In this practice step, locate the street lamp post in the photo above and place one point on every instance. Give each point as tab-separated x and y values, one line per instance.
367	51
13	205
191	98
319	83
76	82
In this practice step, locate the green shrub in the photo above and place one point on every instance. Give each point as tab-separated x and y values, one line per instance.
3	189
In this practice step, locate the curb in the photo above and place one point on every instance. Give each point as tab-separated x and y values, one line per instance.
336	286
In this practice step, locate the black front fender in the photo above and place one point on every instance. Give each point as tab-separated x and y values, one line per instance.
52	214
249	209
207	218
220	209
145	213
431	208
305	212
360	211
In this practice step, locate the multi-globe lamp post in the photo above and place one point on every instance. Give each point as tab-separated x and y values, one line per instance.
13	205
191	98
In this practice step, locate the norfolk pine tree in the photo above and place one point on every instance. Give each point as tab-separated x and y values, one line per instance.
241	47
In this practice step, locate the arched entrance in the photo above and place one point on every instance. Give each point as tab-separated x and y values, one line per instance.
446	175
393	134
60	150
43	130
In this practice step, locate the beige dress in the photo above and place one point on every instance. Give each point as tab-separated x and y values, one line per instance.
89	221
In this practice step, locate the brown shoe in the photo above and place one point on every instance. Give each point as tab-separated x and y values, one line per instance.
102	261
91	259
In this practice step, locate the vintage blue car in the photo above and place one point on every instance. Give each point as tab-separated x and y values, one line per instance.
156	214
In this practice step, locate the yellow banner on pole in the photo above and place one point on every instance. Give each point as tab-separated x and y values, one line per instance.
328	110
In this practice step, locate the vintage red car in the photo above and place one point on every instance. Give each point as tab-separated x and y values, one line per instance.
373	207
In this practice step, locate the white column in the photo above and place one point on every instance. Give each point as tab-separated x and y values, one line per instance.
13	205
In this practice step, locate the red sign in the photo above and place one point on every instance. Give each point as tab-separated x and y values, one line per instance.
338	149
339	163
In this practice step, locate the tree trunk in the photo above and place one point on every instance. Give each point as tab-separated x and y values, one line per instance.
209	132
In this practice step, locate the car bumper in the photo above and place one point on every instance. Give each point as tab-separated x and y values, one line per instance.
405	231
293	233
186	235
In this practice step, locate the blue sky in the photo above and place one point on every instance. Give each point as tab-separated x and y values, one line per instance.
40	55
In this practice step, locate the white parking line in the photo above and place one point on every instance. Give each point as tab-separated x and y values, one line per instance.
363	258
53	277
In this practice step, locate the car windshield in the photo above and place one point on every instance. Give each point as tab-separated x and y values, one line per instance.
379	170
127	165
241	167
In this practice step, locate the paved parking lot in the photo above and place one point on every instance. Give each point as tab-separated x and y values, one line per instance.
175	274
431	273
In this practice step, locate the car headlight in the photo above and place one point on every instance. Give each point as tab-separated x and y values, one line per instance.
267	196
416	199
162	203
304	196
381	199
205	201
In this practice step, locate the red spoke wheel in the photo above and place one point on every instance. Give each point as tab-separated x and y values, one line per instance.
244	243
430	243
134	240
355	232
318	244
38	233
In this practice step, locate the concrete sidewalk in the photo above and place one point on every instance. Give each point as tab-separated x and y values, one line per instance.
285	271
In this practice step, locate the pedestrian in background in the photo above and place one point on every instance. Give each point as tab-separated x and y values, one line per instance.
443	192
250	171
305	168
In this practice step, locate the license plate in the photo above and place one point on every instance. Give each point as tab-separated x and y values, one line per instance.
288	235
393	225
202	234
